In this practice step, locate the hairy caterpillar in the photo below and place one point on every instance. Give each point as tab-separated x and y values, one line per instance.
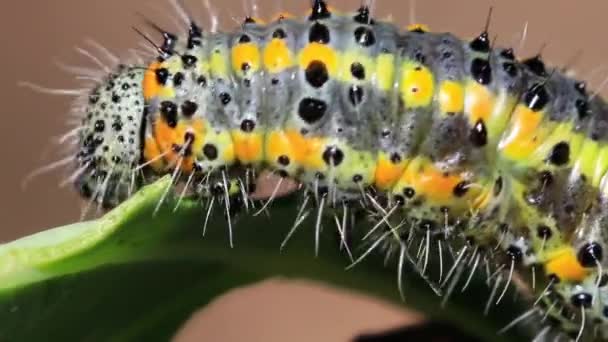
451	137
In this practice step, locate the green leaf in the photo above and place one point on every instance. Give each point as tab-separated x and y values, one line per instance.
137	275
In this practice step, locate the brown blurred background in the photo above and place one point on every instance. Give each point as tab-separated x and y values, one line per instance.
36	34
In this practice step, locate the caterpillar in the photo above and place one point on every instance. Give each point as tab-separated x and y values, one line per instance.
427	134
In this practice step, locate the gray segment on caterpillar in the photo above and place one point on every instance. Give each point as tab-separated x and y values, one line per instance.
385	101
224	101
348	104
279	87
250	84
315	89
110	141
565	107
445	139
562	195
558	190
414	123
556	90
597	118
448	137
565	101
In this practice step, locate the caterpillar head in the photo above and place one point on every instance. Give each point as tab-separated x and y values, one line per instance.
109	147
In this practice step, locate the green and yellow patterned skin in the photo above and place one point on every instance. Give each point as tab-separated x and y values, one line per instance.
453	137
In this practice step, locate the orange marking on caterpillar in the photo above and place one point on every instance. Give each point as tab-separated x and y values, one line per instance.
523	139
564	264
277	56
435	185
150	83
152	152
248	147
308	151
319	52
418	27
387	173
168	137
451	97
479	102
245	55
